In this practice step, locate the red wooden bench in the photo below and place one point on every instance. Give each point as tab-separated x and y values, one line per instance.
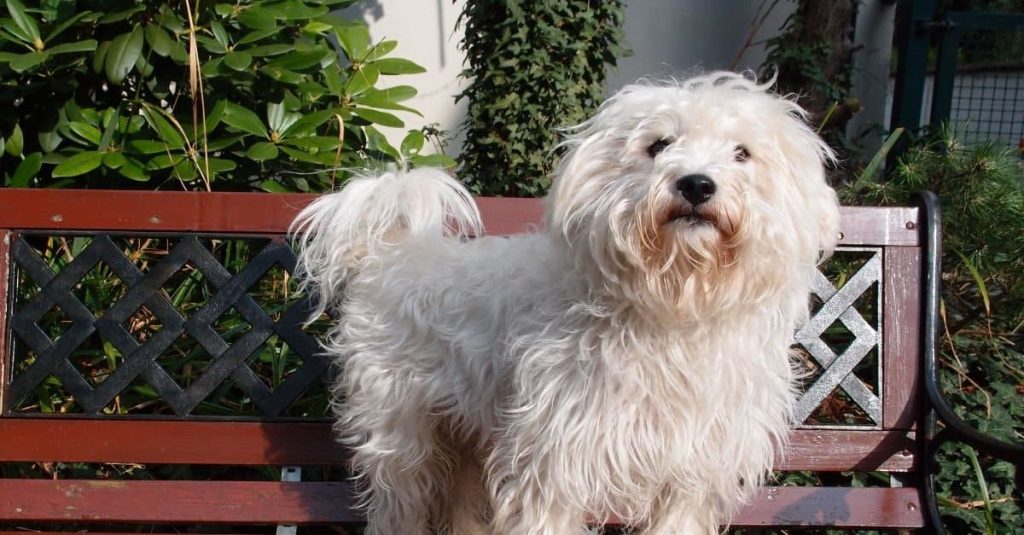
864	411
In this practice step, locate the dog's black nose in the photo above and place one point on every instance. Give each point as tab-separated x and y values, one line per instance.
696	188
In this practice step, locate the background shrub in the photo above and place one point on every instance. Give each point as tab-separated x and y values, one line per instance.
108	93
535	67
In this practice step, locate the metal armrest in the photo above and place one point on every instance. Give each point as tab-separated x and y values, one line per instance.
939	407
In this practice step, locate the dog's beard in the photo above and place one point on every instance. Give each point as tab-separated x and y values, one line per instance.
679	239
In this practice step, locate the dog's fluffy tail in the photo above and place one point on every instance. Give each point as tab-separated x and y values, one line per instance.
339	231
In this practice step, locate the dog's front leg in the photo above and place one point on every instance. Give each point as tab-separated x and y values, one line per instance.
533	517
674	515
524	501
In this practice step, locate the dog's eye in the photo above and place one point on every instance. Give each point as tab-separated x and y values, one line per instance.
655	148
741	154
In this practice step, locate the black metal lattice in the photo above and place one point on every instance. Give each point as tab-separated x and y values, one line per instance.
143	291
841	341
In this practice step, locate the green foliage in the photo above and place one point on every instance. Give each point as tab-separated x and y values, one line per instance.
535	67
107	93
982	193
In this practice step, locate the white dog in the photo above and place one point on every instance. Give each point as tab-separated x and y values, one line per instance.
629	361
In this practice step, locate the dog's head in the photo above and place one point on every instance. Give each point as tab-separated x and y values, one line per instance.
693	196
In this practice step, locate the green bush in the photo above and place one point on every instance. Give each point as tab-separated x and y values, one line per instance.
981	189
245	95
535	67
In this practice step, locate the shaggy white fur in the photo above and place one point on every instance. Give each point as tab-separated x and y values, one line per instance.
628	360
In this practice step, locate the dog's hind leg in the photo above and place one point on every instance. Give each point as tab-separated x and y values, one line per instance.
403	476
401	463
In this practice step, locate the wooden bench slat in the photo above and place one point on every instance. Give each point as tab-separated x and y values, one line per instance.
829	450
263	443
263	213
200	502
840	507
213	502
168	442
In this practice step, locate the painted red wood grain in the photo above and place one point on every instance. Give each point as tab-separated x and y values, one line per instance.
266	213
901	337
262	443
260	502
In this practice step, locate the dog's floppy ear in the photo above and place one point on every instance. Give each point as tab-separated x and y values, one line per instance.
808	157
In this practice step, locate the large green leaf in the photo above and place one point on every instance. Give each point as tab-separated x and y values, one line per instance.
293	10
27	170
413	143
381	49
160	42
304	156
48	141
81	46
269	50
279	118
255	36
238	60
308	123
354	37
133	170
432	160
25	62
99	59
220	34
375	140
79	164
124	14
296	61
163	161
24	22
87	132
213	118
257	18
243	119
362	79
168	133
397	93
146	146
283	75
223	143
113	120
262	151
314	143
379	117
273	186
114	160
397	66
123	53
15	141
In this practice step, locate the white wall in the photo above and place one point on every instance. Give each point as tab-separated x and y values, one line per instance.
426	34
675	37
668	37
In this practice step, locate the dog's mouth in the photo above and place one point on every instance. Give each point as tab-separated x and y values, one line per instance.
691	217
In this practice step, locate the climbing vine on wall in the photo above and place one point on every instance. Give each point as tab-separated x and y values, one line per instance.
535	67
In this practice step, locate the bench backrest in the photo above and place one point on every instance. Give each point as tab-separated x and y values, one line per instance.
194	354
